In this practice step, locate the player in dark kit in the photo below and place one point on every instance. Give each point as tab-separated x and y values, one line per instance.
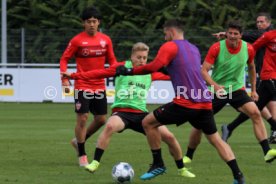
192	102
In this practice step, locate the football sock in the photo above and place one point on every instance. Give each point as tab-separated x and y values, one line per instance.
179	163
81	149
87	136
265	146
98	154
239	120
235	169
190	152
157	158
272	123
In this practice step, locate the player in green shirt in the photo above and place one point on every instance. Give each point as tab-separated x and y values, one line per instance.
229	58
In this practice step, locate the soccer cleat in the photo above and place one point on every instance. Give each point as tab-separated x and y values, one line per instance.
83	161
187	160
270	155
225	133
239	181
93	166
186	173
272	138
154	171
74	143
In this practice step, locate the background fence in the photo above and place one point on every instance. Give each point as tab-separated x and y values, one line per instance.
47	45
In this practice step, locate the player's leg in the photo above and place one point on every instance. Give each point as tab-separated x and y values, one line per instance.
81	109
98	107
195	135
227	155
168	113
194	141
114	124
208	126
175	150
271	106
150	125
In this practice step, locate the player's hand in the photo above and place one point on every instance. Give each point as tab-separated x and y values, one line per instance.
122	70
164	70
254	96
220	35
65	75
66	85
219	90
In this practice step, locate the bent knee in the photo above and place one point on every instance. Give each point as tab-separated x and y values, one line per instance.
109	127
254	114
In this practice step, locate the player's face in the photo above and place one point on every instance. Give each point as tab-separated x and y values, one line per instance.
91	26
168	34
262	23
139	58
233	35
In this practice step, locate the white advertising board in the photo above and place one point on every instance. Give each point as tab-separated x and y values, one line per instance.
38	85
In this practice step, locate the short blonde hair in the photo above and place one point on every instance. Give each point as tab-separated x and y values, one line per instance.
139	46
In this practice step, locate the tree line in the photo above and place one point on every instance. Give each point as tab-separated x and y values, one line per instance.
49	25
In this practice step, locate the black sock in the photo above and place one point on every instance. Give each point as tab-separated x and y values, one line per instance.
87	136
235	169
265	146
190	152
157	157
98	154
239	120
81	149
272	123
179	163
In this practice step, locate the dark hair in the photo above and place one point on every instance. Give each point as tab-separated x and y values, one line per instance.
174	23
91	12
266	15
235	24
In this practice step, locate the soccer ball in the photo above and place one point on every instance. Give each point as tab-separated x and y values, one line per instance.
122	173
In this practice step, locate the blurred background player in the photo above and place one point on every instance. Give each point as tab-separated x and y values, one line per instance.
192	100
263	23
91	49
129	107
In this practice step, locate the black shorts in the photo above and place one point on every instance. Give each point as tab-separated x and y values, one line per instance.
96	103
172	113
132	121
236	99
266	92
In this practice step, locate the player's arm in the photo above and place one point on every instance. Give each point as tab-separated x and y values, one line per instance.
251	36
260	42
209	61
206	67
66	56
165	55
94	74
252	72
159	76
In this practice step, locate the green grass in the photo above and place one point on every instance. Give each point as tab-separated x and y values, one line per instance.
35	149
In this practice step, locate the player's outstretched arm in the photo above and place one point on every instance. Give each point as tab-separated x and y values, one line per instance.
94	74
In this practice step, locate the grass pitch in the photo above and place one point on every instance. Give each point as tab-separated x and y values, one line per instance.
35	149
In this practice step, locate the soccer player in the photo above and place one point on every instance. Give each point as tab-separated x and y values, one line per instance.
263	23
129	107
91	49
192	102
229	58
